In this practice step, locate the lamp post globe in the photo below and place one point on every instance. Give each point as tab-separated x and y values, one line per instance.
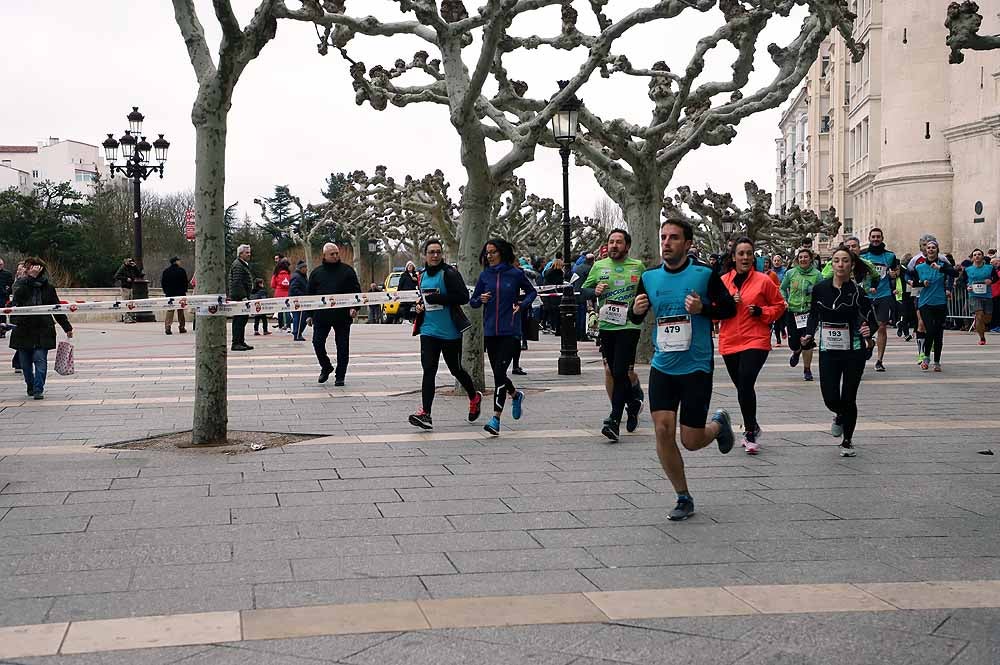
110	145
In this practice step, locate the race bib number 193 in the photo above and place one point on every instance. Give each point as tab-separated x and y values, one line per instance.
835	337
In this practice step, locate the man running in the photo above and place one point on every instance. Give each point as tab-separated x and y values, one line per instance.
613	282
440	323
882	295
684	296
797	288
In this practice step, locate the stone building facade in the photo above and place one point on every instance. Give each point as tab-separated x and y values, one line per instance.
902	140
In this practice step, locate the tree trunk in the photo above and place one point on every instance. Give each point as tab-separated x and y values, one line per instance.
642	214
356	254
307	251
475	224
210	405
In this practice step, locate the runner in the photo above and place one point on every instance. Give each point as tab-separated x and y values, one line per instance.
883	297
842	317
778	326
613	282
440	323
745	340
979	278
933	303
916	288
797	288
684	296
498	288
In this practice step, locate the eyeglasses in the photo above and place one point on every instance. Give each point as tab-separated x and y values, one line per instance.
434	252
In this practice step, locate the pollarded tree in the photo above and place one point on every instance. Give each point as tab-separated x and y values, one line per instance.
634	161
779	233
217	79
458	85
963	23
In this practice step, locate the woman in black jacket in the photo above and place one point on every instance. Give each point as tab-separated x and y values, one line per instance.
440	323
34	335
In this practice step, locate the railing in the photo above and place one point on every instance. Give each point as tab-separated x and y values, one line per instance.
960	311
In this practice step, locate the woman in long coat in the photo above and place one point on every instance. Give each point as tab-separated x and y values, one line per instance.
35	335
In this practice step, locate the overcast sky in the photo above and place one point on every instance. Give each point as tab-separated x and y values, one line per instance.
74	69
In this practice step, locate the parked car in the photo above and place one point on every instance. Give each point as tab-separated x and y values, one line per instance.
390	310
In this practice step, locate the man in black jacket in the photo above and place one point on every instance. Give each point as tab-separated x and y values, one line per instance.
6	282
299	286
331	277
174	282
126	276
240	287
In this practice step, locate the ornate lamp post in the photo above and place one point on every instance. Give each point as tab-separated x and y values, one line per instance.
728	226
135	152
373	246
565	124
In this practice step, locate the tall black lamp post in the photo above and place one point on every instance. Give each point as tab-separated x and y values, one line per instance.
373	246
135	152
565	124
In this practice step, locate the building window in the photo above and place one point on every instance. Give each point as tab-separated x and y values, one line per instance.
824	66
86	176
824	125
34	174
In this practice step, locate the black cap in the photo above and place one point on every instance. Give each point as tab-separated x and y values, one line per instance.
175	259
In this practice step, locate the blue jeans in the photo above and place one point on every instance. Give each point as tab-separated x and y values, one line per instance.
35	365
298	323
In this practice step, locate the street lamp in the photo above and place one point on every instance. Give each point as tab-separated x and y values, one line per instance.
372	251
136	153
565	124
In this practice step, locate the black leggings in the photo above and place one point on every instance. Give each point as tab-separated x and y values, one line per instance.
934	317
431	350
500	351
793	332
744	368
839	378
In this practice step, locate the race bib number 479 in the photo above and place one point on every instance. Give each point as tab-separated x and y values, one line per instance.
673	333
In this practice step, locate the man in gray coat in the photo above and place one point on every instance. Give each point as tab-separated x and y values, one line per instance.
240	287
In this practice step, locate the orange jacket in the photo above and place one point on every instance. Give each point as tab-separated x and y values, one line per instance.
743	331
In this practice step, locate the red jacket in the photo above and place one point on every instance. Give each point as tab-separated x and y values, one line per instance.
279	284
743	331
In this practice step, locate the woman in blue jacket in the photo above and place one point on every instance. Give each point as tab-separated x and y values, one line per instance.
936	276
498	292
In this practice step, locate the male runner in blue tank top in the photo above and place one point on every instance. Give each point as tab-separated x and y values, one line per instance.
685	296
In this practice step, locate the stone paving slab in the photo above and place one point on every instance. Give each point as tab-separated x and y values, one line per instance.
548	507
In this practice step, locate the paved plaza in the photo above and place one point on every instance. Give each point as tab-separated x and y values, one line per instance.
372	542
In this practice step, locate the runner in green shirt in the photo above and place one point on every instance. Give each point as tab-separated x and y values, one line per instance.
797	287
613	282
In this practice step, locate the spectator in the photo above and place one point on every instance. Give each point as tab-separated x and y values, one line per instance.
174	281
126	276
333	276
240	286
554	276
34	336
280	280
299	286
407	282
374	311
6	282
259	293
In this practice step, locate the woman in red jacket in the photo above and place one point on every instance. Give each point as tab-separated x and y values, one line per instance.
279	285
745	340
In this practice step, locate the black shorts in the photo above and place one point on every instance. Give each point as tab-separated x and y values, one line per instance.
883	308
691	392
619	345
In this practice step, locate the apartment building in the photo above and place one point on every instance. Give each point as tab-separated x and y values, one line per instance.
57	160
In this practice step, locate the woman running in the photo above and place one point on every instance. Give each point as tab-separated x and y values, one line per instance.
498	292
841	318
797	287
979	278
936	277
745	340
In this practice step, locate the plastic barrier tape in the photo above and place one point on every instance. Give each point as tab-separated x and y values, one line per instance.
123	306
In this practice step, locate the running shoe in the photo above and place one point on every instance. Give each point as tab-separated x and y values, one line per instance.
879	367
847	449
924	365
475	406
518	371
632	410
807	375
683	510
610	430
937	367
794	360
493	426
516	405
982	342
750	442
725	437
921	358
836	429
607	420
899	331
908	338
421	419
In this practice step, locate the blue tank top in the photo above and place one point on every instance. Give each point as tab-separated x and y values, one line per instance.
666	292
